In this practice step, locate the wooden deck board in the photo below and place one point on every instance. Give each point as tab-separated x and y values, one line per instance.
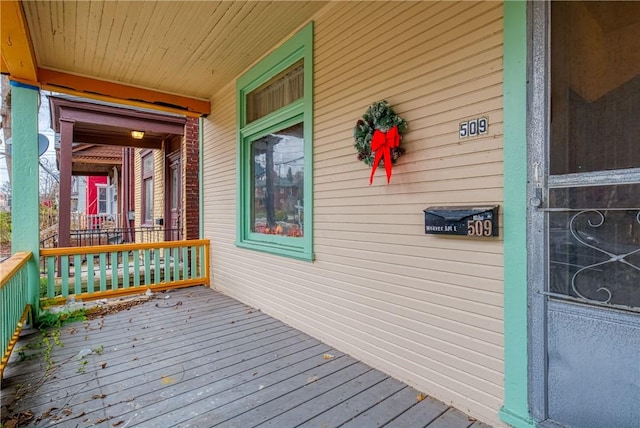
452	418
347	409
386	410
422	414
194	358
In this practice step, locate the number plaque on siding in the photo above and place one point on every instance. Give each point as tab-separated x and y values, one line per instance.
474	127
468	221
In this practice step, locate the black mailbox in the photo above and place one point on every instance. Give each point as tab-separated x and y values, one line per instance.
468	221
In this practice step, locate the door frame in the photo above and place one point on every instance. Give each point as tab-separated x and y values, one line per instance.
516	46
537	173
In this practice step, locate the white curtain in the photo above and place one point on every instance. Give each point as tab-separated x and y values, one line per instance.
277	93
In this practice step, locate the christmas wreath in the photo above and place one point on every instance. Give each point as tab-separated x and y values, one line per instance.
377	137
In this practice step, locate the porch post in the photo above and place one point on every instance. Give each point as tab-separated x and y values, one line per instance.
515	410
64	206
25	181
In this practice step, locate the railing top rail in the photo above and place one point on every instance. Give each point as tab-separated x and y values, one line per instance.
12	265
67	251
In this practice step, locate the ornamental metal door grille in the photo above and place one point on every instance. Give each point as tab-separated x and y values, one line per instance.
594	245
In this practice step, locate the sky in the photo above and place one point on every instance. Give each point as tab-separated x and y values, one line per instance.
43	128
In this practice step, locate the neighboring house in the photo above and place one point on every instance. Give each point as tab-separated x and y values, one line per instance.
131	184
537	326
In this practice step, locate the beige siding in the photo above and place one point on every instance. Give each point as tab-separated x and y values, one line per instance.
426	309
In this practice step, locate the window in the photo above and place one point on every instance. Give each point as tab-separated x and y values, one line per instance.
275	115
102	199
147	189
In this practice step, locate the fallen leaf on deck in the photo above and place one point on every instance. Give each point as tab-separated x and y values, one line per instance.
118	423
328	356
66	411
421	397
312	379
97	396
19	419
102	364
47	414
166	380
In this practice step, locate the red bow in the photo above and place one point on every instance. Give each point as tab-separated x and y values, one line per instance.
381	144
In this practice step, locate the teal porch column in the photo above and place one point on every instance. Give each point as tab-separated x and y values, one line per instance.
515	410
25	180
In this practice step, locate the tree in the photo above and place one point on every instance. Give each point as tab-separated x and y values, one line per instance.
5	118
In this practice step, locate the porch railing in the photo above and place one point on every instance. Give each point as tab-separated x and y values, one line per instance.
14	291
113	235
94	221
114	270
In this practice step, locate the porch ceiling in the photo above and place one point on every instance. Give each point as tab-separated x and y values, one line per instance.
187	48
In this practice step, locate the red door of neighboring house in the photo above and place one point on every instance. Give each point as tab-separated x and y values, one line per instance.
93	201
174	198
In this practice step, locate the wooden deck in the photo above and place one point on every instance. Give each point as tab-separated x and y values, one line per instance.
196	358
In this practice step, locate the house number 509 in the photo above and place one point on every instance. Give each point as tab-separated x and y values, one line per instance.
474	127
479	228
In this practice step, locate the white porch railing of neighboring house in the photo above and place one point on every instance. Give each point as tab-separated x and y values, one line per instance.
83	221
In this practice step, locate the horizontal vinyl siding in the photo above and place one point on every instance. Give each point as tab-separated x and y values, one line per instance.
426	309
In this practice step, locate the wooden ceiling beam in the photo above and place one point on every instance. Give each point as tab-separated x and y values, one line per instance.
122	94
89	160
117	141
18	58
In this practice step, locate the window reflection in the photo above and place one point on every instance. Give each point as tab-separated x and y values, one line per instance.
278	183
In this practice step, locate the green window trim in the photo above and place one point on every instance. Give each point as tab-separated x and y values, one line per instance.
298	47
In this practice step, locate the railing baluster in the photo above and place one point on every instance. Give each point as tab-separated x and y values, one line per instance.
156	267
176	264
103	271
185	263
51	276
125	269
114	270
147	267
167	265
136	268
77	274
90	273
202	263
65	275
194	263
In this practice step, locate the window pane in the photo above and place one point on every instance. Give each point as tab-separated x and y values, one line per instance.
277	183
147	165
102	200
281	90
174	188
594	247
595	86
148	201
